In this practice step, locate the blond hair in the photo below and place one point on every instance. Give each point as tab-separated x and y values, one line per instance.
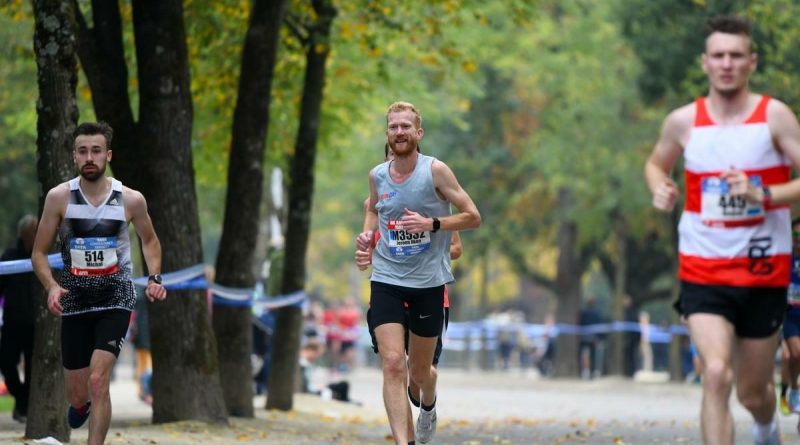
400	106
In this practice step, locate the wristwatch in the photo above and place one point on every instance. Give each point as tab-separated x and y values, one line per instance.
767	197
436	224
155	278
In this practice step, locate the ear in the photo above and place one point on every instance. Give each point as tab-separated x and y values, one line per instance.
420	132
704	63
108	155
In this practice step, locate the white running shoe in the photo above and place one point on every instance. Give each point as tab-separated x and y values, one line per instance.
426	425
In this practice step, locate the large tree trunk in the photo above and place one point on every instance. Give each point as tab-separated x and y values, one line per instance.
245	178
567	287
57	67
617	338
289	323
184	349
154	156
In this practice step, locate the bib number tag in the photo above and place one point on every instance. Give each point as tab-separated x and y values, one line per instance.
403	243
93	256
719	208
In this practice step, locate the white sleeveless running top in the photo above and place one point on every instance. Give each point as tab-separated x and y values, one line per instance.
95	248
725	240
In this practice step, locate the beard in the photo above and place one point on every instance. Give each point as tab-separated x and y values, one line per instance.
410	147
93	175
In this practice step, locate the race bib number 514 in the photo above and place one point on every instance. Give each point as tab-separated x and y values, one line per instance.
93	256
403	243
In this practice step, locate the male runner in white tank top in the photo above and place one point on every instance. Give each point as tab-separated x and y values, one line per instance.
734	234
411	196
94	295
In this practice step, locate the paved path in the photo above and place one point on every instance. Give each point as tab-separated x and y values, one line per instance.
474	409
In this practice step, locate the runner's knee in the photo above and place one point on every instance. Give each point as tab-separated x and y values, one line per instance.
718	375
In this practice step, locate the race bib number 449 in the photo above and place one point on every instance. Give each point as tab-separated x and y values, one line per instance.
93	256
720	208
402	243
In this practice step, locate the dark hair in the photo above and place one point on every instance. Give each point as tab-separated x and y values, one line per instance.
729	24
93	128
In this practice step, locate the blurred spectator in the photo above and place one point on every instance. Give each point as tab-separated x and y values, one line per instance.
140	337
263	333
588	341
631	342
18	318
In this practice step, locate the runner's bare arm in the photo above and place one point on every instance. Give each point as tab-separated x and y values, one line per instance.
151	247
445	182
786	133
665	154
364	239
52	214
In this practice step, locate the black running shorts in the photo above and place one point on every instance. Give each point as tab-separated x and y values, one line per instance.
425	309
82	333
755	312
439	341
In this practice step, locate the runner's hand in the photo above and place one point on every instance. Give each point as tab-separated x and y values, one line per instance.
739	185
363	259
364	240
413	222
155	291
666	195
54	295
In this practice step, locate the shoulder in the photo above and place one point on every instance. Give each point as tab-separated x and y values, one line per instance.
132	197
58	194
779	110
681	118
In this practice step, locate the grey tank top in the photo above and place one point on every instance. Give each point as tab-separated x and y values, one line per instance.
95	248
400	258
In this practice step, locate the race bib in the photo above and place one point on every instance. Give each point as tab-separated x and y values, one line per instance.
402	243
719	208
93	256
793	295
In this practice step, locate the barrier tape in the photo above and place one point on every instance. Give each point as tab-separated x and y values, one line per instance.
190	278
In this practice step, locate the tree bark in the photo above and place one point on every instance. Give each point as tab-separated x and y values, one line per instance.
617	338
184	348
241	223
54	43
289	323
567	287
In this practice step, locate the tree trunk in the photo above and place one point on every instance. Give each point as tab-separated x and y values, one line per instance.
617	338
567	287
57	73
289	323
184	349
241	224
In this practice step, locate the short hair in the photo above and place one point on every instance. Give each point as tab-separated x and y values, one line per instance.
404	106
729	24
25	222
93	128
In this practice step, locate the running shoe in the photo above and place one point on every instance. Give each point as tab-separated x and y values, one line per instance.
784	406
794	401
77	417
426	425
773	439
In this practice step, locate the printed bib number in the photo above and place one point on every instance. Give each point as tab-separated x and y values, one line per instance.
719	208
93	256
403	243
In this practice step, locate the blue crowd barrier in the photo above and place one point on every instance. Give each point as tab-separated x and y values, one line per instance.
190	278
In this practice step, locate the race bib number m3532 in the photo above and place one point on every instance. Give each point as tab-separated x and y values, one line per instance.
403	243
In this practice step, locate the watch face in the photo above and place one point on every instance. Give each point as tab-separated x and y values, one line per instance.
156	278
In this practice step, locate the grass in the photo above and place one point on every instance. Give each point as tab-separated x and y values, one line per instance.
6	404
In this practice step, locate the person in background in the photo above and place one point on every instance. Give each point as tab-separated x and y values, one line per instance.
16	337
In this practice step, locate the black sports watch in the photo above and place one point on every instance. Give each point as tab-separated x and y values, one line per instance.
155	278
436	224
